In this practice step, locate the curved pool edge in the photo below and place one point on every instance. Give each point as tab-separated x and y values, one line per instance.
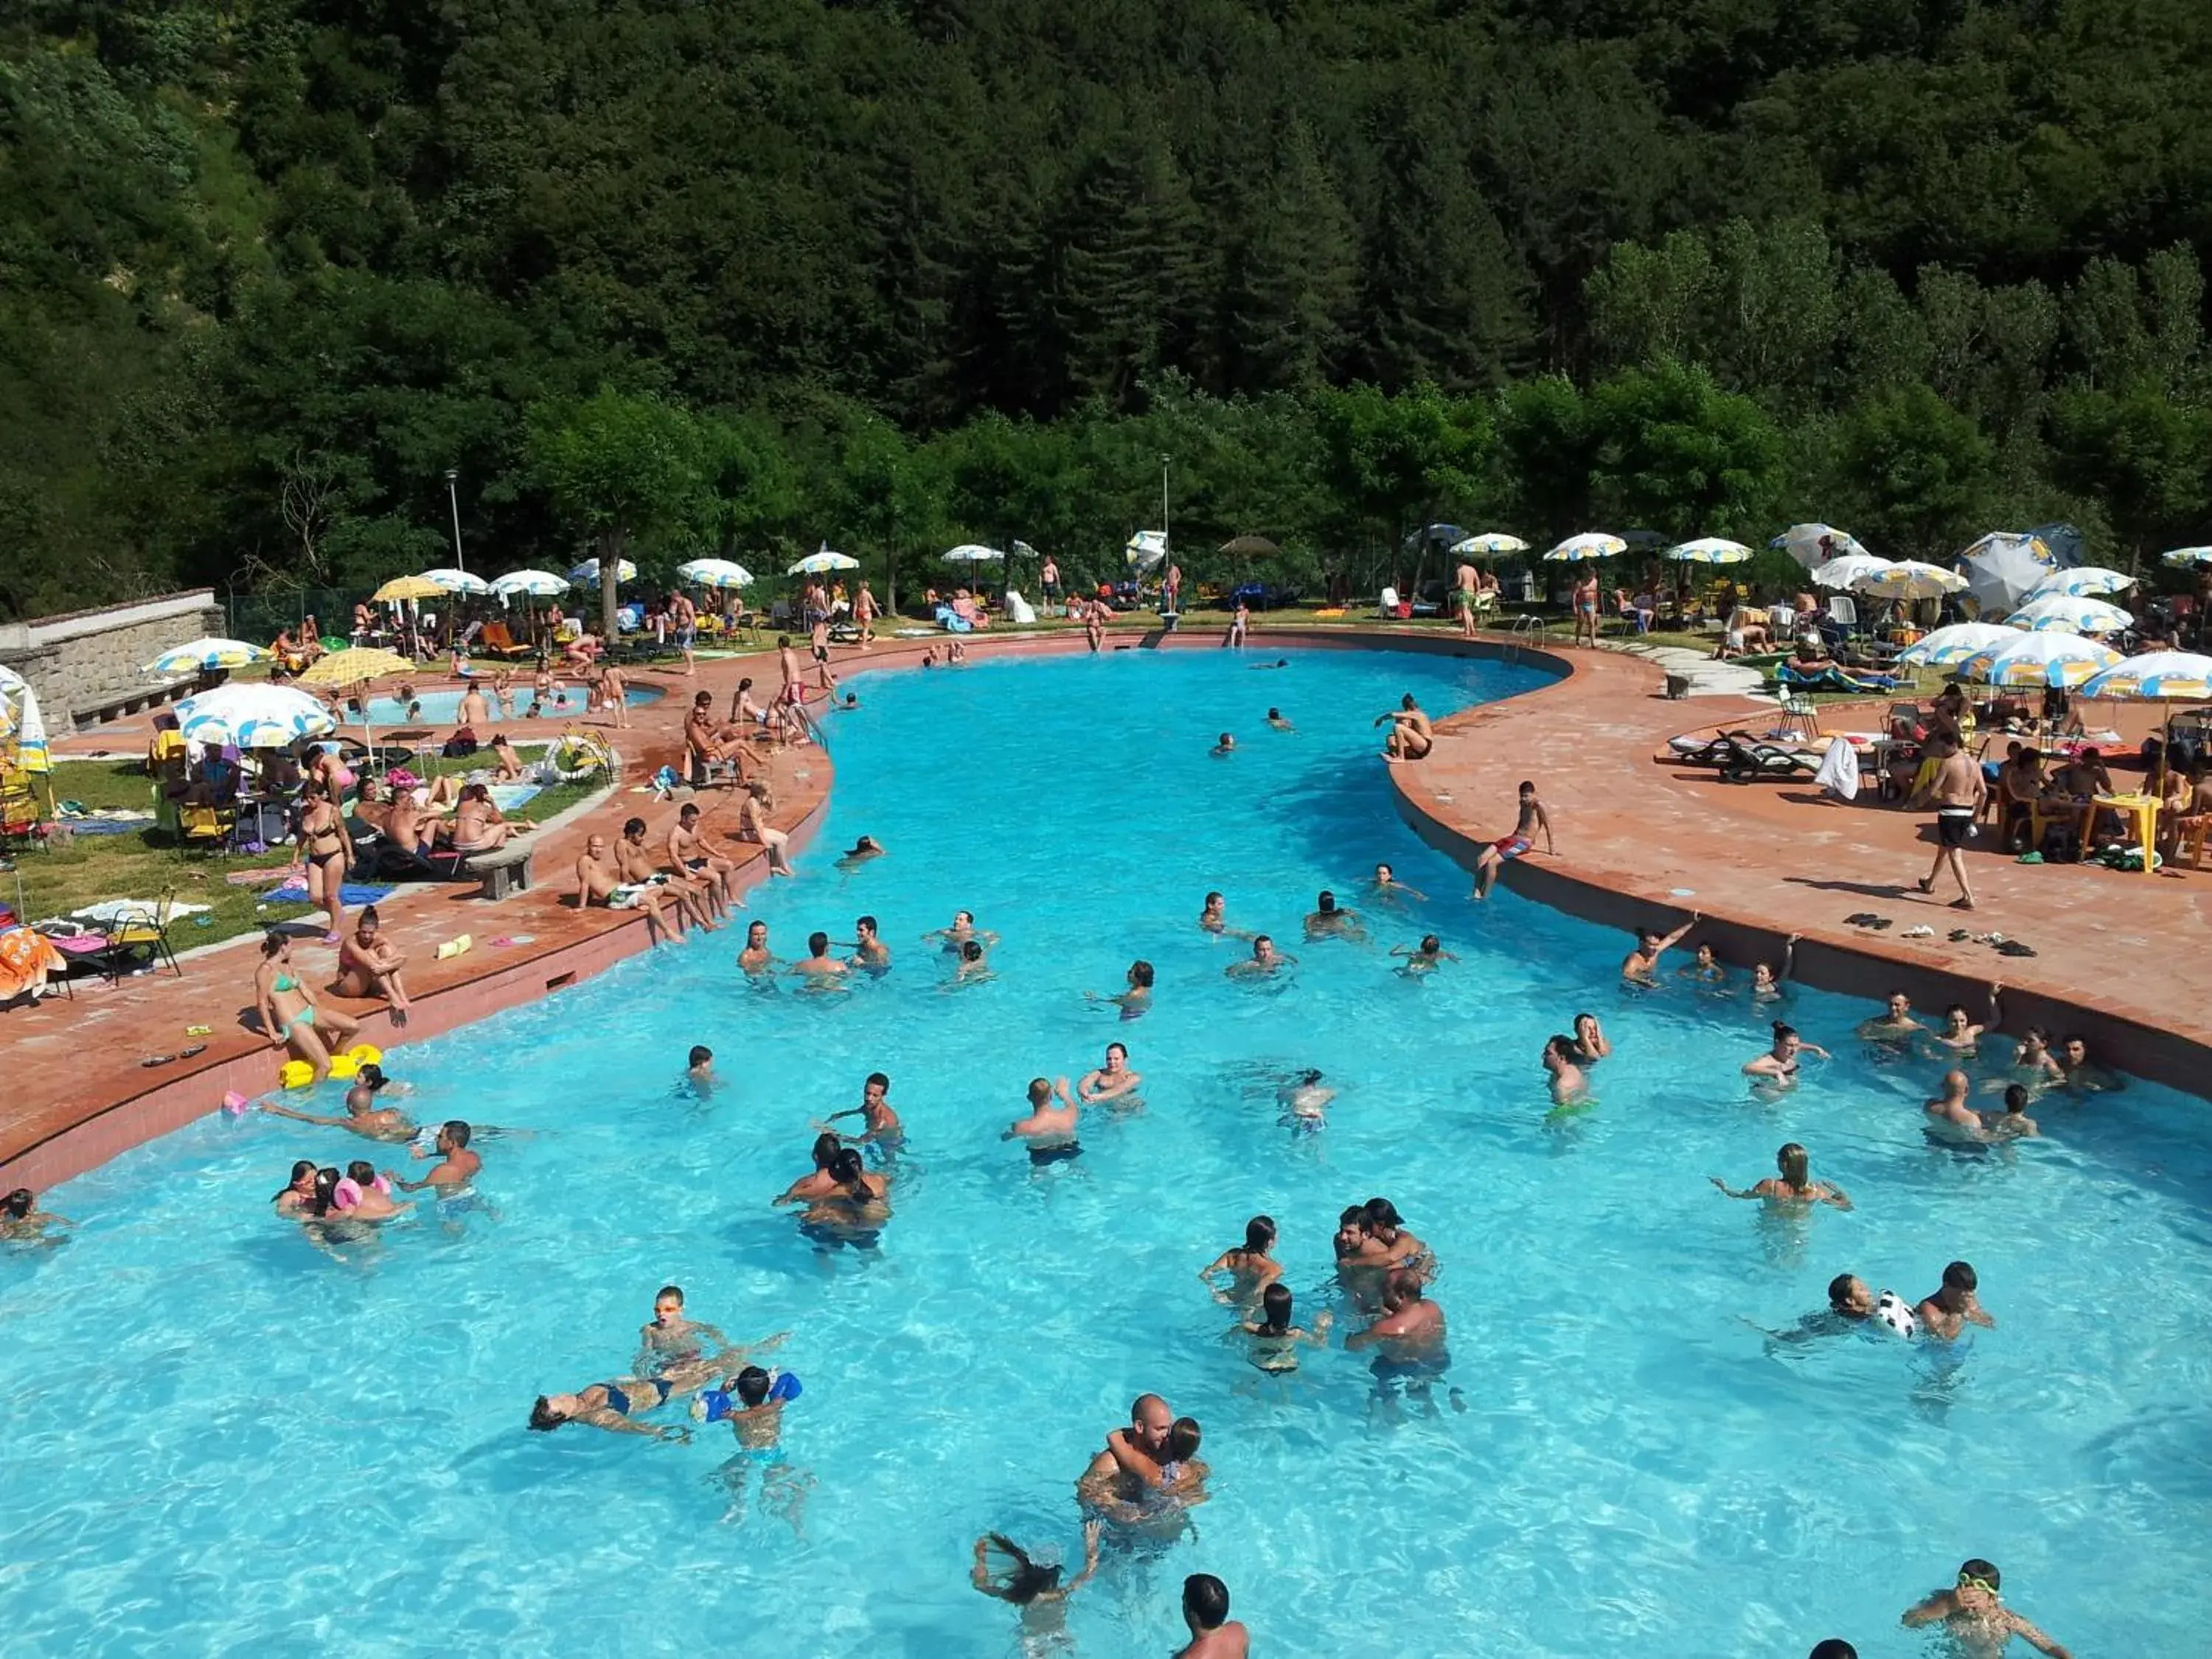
107	1127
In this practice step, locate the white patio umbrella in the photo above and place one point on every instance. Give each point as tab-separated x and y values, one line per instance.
1910	579
2002	569
536	584
1590	544
2083	580
1490	544
2188	556
205	653
458	581
253	717
1848	570
1145	550
822	562
2065	614
1946	648
588	573
2041	659
715	573
2157	677
1812	545
1708	549
973	553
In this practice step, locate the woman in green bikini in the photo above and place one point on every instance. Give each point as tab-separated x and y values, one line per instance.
290	1015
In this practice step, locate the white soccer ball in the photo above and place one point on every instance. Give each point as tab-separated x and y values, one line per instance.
1892	1309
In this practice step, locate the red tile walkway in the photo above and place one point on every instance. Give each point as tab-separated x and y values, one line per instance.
1760	860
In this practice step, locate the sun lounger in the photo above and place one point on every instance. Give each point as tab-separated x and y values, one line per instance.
1741	758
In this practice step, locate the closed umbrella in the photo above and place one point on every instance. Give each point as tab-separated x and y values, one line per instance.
1848	570
1590	544
2041	660
715	573
22	723
1814	545
2083	580
1910	579
2068	615
1490	544
1946	648
253	717
200	656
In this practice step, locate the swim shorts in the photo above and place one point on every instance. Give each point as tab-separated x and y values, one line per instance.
1058	1153
627	898
1510	847
1954	829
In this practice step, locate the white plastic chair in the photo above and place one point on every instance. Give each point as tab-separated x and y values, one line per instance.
1843	611
1388	605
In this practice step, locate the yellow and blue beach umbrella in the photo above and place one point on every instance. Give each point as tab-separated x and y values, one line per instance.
588	573
21	723
1910	579
1490	543
822	562
2067	614
2084	580
2041	660
1708	549
253	717
2157	677
1946	648
715	573
200	655
537	584
1590	544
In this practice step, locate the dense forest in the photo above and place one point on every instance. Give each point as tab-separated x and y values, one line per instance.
744	276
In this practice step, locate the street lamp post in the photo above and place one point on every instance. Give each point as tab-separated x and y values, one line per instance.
453	495
1163	499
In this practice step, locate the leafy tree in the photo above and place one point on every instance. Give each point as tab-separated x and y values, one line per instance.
1674	452
1917	472
2149	460
620	466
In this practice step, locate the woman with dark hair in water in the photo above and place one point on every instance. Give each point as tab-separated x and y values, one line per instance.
819	1184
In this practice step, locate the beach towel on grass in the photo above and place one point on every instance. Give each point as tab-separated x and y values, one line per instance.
350	893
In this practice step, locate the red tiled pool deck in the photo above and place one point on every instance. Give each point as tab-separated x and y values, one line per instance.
2120	957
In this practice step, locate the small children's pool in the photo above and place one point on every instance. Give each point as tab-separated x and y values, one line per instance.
223	1439
442	706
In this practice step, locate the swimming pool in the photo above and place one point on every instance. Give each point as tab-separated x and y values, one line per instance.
221	1437
443	707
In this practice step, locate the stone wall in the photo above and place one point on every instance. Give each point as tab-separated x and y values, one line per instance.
76	661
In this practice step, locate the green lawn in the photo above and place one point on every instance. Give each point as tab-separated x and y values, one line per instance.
146	864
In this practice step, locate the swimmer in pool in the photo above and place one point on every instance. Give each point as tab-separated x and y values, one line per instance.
1389	889
22	1222
1264	960
1328	920
821	970
1570	1086
700	1072
1795	1185
1214	917
1386	1242
756	958
1049	1130
2034	1065
879	1123
1641	965
1423	959
1151	1422
1766	981
963	930
869	950
1145	1486
364	1117
1778	1066
457	1166
2012	1123
1275	1339
1250	1268
1136	1000
1263	667
613	1406
1226	746
1850	1304
2084	1077
668	1335
817	1184
1949	1117
1704	970
867	847
1975	1617
1590	1042
1034	1587
1410	1326
1112	1079
1895	1024
1957	1039
855	1209
1214	1633
1954	1304
1277	722
974	967
297	1199
1305	1099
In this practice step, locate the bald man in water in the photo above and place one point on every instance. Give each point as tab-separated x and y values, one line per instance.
1150	1421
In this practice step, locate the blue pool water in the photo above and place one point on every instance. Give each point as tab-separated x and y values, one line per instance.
444	707
221	1438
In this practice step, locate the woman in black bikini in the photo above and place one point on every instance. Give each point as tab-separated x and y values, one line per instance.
1778	1066
612	1406
326	851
